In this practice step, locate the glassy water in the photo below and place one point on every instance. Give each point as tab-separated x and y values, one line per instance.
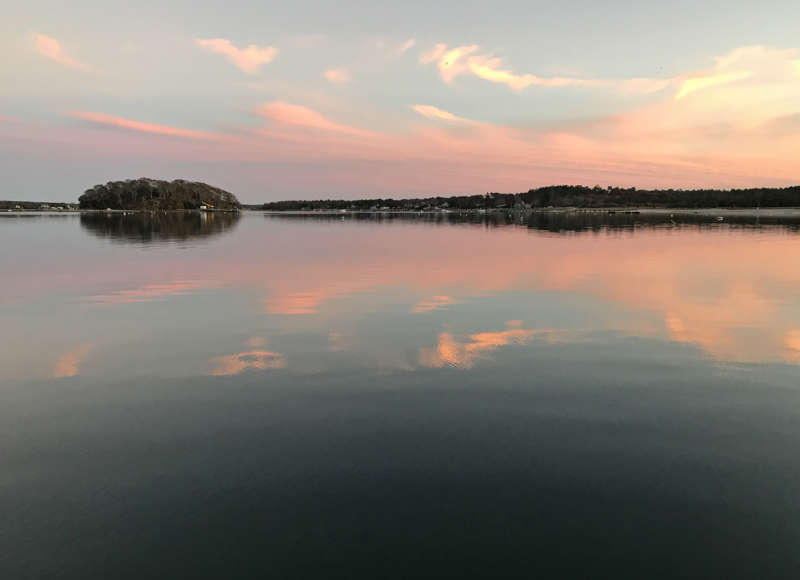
393	397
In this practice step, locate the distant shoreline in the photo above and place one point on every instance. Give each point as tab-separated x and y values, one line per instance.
723	212
117	211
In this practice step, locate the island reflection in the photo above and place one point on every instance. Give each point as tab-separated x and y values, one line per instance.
158	227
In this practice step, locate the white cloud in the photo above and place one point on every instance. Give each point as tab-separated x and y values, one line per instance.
337	75
247	59
436	113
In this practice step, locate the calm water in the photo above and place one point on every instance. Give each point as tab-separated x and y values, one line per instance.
319	397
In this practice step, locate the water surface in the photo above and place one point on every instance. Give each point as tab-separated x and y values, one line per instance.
187	395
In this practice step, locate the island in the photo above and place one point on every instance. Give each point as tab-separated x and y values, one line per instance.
155	194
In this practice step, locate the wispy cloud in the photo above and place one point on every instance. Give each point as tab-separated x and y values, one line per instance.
129	124
393	49
406	46
759	64
438	114
453	62
247	59
749	62
300	116
338	76
729	134
67	365
699	83
466	59
52	49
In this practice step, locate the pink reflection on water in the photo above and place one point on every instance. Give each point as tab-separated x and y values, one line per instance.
450	351
434	303
731	293
233	364
151	292
68	364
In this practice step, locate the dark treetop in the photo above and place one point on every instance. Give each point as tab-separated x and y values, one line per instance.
144	193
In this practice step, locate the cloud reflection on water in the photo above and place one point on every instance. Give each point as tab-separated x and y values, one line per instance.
409	293
68	364
450	351
233	364
151	292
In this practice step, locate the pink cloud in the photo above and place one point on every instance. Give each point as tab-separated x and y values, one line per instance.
730	134
123	123
300	116
247	59
52	49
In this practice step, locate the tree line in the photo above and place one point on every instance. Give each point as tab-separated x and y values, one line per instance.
563	196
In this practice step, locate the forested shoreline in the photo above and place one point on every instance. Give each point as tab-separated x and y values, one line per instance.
563	196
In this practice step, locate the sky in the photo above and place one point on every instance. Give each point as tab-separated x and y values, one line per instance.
349	99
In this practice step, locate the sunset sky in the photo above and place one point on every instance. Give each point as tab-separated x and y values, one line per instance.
278	100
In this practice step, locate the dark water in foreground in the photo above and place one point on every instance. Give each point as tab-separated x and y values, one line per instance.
324	397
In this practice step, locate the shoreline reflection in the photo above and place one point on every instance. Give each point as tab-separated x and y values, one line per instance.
566	221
